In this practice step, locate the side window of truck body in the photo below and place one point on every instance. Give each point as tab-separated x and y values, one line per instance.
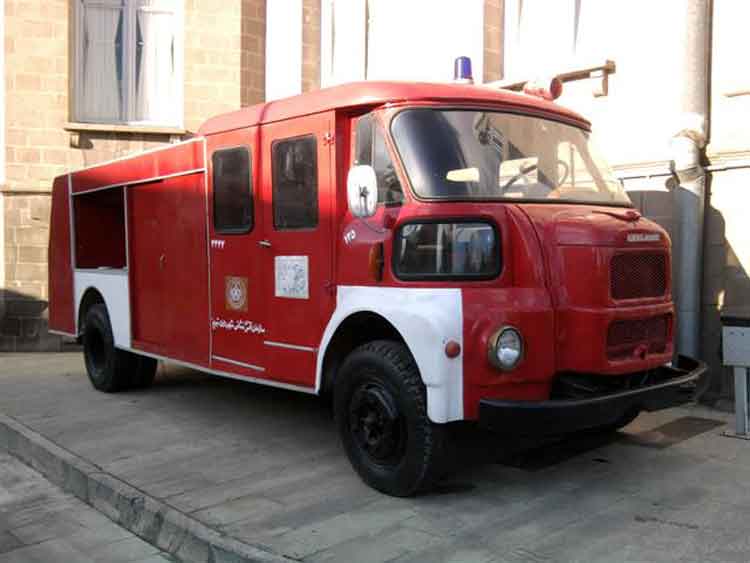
232	193
371	149
295	183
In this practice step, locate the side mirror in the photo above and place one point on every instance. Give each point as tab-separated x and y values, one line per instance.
362	191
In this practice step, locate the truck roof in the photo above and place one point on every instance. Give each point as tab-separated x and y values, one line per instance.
373	94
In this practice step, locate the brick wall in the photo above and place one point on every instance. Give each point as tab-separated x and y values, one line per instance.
24	323
310	45
493	40
253	76
224	70
224	54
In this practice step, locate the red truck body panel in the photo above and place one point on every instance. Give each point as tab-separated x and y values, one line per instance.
62	306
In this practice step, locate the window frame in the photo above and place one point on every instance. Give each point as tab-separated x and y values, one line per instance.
274	144
251	191
406	277
130	97
540	114
375	127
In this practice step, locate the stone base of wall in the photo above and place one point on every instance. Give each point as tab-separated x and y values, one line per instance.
23	296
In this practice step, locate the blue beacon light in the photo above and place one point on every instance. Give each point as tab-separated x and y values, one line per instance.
462	71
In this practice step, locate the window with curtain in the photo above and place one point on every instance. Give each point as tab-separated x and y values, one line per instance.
128	64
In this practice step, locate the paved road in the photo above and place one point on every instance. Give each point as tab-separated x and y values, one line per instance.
41	524
264	465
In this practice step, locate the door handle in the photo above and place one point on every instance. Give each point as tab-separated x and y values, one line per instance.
162	261
265	243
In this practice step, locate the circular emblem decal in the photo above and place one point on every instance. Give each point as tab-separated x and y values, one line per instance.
236	293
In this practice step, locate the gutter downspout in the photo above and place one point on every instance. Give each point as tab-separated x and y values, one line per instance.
688	155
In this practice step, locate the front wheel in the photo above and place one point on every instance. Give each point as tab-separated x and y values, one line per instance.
381	414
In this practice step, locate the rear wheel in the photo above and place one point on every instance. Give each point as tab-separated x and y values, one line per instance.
381	414
144	371
110	369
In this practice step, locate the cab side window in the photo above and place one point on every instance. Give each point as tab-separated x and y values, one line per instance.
371	149
295	183
233	200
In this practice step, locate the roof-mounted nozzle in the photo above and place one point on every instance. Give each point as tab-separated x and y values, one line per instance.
545	88
462	71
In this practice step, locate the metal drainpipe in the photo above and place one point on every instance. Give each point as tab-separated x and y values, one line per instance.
687	148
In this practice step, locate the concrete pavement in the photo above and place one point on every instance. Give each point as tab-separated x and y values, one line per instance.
40	523
262	467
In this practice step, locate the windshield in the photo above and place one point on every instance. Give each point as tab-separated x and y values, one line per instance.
467	154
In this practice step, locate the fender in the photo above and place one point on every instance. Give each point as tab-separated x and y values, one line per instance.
426	318
113	287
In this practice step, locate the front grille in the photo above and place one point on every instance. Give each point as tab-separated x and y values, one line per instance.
638	275
626	337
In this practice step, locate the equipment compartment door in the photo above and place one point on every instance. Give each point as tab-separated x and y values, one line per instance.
298	203
168	270
237	298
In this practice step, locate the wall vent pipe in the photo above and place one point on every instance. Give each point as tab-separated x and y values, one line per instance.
688	146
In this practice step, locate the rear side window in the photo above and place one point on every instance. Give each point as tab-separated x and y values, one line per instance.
371	149
233	200
295	184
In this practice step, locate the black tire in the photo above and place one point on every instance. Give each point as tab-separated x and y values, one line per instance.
381	414
144	371
109	369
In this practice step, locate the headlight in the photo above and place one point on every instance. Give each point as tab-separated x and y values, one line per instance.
506	348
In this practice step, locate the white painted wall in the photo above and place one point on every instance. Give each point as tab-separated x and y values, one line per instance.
539	36
635	122
343	41
2	159
399	40
420	39
283	48
730	87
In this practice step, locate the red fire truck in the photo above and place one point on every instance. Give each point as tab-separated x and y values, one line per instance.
426	253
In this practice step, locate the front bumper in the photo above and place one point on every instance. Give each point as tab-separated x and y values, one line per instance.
674	386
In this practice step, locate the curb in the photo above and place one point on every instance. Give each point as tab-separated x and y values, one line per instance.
152	520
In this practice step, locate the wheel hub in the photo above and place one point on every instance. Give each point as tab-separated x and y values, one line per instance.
375	422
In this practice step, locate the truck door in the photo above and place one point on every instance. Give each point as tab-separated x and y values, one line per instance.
298	196
237	294
168	268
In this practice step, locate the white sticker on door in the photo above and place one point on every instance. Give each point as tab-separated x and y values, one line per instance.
292	277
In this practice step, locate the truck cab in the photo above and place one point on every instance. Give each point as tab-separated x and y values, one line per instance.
425	253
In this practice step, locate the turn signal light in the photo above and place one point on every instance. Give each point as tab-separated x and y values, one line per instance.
452	349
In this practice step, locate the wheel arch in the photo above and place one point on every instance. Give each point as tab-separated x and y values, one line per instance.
111	288
424	320
358	328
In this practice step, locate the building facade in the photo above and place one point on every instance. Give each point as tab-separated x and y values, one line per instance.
89	80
